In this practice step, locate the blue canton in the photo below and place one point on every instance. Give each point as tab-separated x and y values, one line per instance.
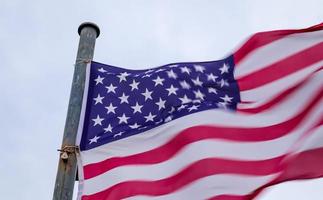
123	102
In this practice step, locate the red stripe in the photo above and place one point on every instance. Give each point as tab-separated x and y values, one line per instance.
197	170
231	197
282	68
189	135
281	97
263	38
305	165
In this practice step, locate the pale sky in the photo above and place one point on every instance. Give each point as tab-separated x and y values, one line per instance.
38	45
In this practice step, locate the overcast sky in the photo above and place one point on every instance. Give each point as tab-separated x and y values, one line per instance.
38	44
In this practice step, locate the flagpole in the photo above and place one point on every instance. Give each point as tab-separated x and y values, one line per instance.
67	165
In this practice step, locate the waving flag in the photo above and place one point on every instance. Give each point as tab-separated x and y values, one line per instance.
206	130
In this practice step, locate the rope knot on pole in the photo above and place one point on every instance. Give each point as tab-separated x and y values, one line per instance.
68	149
82	60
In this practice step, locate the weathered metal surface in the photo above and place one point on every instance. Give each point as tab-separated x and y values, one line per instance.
66	172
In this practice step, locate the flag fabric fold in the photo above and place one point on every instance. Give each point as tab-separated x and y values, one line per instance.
222	130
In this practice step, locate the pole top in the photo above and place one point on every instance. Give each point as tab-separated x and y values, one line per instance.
89	24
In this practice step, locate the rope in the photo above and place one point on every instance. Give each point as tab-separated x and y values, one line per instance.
82	60
68	149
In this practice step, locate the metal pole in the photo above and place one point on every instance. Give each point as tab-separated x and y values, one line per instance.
67	165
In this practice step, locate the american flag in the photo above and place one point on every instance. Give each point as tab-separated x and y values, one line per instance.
221	130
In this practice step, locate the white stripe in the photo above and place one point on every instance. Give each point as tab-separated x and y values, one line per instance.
198	151
84	101
160	135
275	51
314	141
214	186
265	93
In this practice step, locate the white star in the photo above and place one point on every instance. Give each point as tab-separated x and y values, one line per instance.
185	85
160	70
199	94
212	90
169	118
98	80
172	110
222	105
118	134
102	70
123	119
197	101
98	99
123	76
182	107
147	75
108	129
226	98
185	100
223	83
193	107
94	140
98	120
185	70
224	69
111	108
211	77
149	71
134	126
199	68
171	74
136	108
161	104
150	117
111	88
147	94
134	85
197	82
158	81
171	90
123	98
